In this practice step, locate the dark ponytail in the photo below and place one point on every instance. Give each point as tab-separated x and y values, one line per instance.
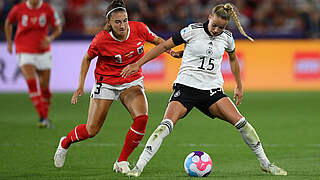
116	5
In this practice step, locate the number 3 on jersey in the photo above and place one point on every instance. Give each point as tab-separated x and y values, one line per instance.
118	58
98	88
210	66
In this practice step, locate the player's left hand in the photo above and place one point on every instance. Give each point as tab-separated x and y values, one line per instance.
238	95
130	69
45	42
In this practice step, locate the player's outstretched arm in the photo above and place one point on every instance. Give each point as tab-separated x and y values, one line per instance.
153	53
158	40
235	68
82	77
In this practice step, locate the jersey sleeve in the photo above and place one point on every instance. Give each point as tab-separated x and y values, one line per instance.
54	17
231	45
13	15
183	36
147	33
93	49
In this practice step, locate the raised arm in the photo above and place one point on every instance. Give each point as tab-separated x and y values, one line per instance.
82	77
235	68
153	53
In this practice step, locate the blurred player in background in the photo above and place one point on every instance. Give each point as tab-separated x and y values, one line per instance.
199	83
120	44
32	44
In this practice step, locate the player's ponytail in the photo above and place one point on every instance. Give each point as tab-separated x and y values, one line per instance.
225	12
229	8
116	5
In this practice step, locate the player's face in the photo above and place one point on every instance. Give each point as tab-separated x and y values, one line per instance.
119	23
216	25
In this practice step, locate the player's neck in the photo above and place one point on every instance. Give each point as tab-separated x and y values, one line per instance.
121	37
34	6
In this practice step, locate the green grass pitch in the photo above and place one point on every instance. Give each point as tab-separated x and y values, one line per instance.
288	124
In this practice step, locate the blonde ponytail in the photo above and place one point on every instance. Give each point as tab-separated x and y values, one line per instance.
229	8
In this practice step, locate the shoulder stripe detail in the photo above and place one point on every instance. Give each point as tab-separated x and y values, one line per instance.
228	33
196	25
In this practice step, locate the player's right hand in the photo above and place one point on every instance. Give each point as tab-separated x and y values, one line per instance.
130	69
76	94
45	42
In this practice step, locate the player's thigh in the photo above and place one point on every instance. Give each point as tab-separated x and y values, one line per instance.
98	111
135	101
225	110
28	71
215	112
27	65
44	61
44	77
175	111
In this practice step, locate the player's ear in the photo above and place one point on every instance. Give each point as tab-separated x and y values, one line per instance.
107	27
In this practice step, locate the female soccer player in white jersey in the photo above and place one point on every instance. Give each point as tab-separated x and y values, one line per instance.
199	84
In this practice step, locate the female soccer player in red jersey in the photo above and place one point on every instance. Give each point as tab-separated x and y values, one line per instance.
120	44
33	49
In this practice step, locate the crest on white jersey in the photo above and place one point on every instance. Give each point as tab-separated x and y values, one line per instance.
209	51
177	94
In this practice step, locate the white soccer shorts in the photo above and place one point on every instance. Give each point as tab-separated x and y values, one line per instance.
112	92
41	61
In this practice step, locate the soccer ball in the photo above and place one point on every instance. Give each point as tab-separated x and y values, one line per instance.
198	164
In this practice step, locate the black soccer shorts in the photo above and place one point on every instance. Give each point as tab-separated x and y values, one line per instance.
191	97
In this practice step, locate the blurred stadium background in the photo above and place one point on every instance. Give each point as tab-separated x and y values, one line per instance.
281	77
285	55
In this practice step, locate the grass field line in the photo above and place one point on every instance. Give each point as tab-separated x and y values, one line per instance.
177	145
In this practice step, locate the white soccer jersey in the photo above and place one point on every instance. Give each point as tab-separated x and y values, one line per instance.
201	62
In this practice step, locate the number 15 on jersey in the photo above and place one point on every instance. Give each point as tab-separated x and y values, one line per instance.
206	64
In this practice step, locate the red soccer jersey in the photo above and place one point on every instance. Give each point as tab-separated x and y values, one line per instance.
114	55
32	26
